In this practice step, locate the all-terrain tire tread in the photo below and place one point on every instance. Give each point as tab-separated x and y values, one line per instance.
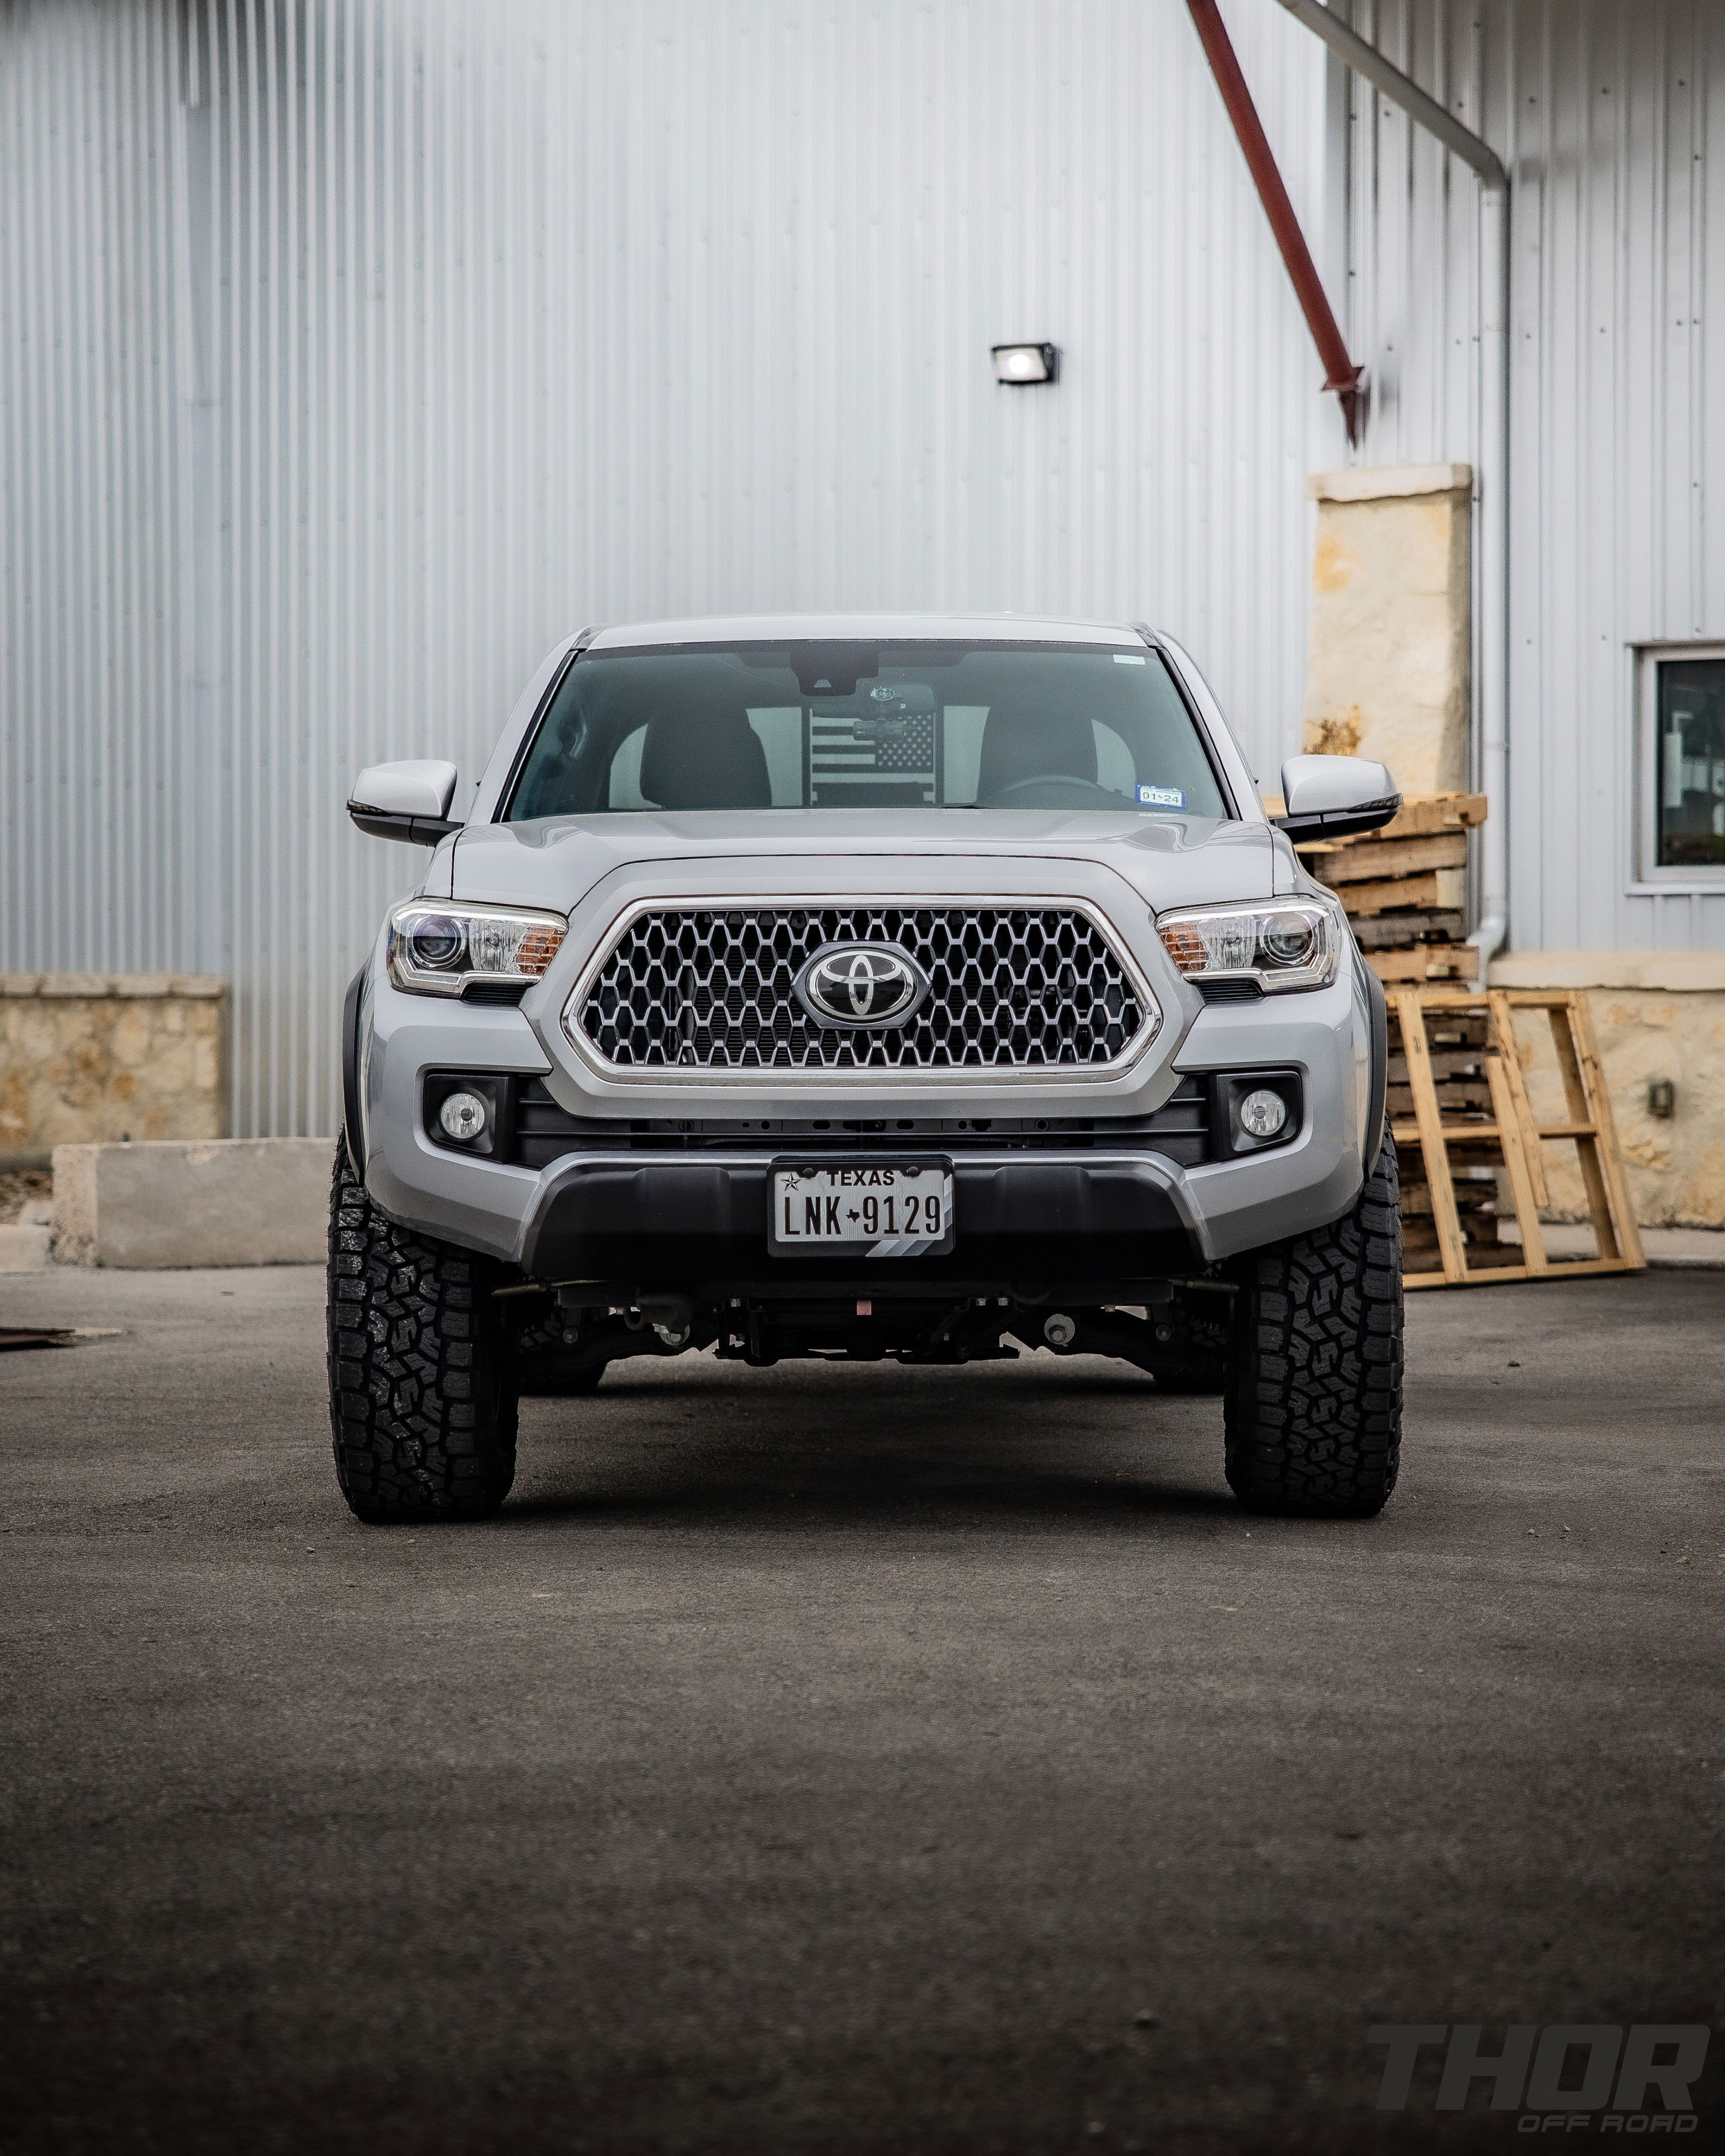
422	1394
1313	1408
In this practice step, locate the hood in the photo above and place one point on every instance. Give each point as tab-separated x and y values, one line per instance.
1168	860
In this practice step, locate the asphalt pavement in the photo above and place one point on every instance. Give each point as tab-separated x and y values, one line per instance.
843	1759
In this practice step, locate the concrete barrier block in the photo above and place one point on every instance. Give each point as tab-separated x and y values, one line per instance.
171	1203
24	1247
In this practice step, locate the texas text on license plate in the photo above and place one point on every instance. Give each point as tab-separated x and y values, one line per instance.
874	1209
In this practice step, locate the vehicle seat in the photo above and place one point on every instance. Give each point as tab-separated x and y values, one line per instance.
709	759
1029	741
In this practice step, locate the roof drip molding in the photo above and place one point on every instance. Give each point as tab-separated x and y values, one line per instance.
777	628
1390	482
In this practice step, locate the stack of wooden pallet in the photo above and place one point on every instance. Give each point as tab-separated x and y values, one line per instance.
1404	888
1441	1061
1473	1153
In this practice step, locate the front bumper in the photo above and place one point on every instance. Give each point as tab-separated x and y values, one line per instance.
673	1214
647	1219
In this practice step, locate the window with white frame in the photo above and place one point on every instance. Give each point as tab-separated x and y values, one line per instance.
1683	765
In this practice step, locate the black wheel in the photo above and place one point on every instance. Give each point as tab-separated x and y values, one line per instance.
1198	1329
548	1368
1313	1408
422	1375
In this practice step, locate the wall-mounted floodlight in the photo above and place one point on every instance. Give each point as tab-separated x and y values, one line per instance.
1022	365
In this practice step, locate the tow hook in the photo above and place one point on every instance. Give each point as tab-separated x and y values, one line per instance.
672	1317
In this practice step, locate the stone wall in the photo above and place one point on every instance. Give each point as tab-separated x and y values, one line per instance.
1657	1015
90	1056
1388	658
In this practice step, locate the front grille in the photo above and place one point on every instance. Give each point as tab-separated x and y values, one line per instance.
545	1132
1013	988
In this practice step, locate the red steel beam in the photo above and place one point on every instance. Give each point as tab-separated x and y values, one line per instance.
1341	374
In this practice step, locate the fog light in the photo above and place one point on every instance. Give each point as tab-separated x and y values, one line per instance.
1262	1113
463	1115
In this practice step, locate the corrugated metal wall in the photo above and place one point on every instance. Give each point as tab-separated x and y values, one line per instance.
351	352
92	502
1604	111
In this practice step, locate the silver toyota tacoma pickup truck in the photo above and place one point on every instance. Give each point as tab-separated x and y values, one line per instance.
864	987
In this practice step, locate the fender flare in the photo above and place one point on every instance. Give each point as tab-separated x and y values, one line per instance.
1378	1004
353	1128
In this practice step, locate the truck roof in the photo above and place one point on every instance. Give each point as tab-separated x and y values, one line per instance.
865	628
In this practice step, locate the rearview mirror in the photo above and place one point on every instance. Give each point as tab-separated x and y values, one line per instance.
1327	797
406	801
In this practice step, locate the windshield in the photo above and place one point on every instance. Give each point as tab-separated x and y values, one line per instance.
886	726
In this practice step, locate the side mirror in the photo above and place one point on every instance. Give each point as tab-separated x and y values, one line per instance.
1328	796
406	801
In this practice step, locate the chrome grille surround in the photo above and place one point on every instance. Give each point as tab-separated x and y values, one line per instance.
1023	990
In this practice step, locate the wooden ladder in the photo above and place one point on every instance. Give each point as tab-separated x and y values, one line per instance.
1460	1094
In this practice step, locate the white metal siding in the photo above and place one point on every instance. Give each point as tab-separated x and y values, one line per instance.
1603	111
353	351
350	353
93	527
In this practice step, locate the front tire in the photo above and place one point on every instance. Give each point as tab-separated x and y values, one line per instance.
1313	1408
422	1377
546	1365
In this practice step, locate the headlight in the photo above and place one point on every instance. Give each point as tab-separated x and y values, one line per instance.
1289	943
440	949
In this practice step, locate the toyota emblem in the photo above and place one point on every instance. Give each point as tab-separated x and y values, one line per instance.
861	984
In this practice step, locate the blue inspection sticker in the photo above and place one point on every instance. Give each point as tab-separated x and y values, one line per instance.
1161	797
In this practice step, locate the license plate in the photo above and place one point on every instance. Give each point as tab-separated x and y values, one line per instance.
869	1209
